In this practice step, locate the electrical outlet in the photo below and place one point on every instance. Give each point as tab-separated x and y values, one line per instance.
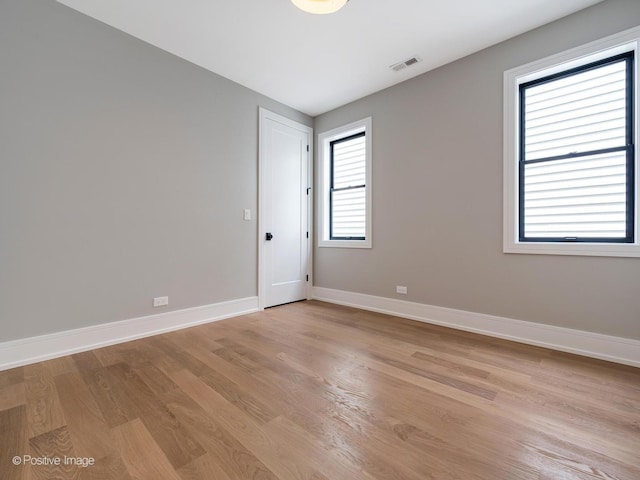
401	289
160	301
247	214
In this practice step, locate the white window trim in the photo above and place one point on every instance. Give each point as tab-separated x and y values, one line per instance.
324	165
594	51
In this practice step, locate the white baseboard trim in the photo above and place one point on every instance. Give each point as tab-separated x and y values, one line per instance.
604	347
24	351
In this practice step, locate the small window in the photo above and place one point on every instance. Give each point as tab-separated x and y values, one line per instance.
348	191
345	186
570	152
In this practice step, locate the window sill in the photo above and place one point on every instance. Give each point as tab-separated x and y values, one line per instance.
344	243
630	250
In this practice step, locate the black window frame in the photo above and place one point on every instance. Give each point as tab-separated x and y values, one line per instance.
350	187
628	148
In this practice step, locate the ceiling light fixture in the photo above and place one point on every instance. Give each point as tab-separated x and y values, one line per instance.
320	6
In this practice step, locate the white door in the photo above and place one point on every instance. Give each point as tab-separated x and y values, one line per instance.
284	230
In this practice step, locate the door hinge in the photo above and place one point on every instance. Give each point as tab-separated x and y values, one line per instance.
307	234
307	148
308	189
307	278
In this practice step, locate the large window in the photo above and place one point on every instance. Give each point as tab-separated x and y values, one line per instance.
576	154
345	186
570	166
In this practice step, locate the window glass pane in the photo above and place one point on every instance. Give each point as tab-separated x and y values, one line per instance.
578	197
348	210
579	113
349	162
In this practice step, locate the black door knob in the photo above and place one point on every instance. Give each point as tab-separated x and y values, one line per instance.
268	236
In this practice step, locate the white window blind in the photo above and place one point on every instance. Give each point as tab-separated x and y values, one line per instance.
575	154
348	188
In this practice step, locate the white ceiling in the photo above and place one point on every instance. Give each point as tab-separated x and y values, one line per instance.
316	63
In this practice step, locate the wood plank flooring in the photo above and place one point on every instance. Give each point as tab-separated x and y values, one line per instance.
320	392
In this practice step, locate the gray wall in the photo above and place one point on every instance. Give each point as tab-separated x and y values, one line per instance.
123	175
437	198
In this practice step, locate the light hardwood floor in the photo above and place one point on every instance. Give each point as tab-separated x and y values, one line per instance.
323	392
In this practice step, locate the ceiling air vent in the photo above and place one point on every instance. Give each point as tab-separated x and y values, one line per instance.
407	63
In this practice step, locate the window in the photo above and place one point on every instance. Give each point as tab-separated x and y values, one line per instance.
570	154
347	190
345	186
576	154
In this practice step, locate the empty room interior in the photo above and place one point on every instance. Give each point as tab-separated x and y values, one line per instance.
319	239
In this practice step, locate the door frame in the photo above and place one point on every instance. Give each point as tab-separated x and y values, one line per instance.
265	114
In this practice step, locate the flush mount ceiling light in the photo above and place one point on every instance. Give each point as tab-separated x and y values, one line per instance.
320	6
